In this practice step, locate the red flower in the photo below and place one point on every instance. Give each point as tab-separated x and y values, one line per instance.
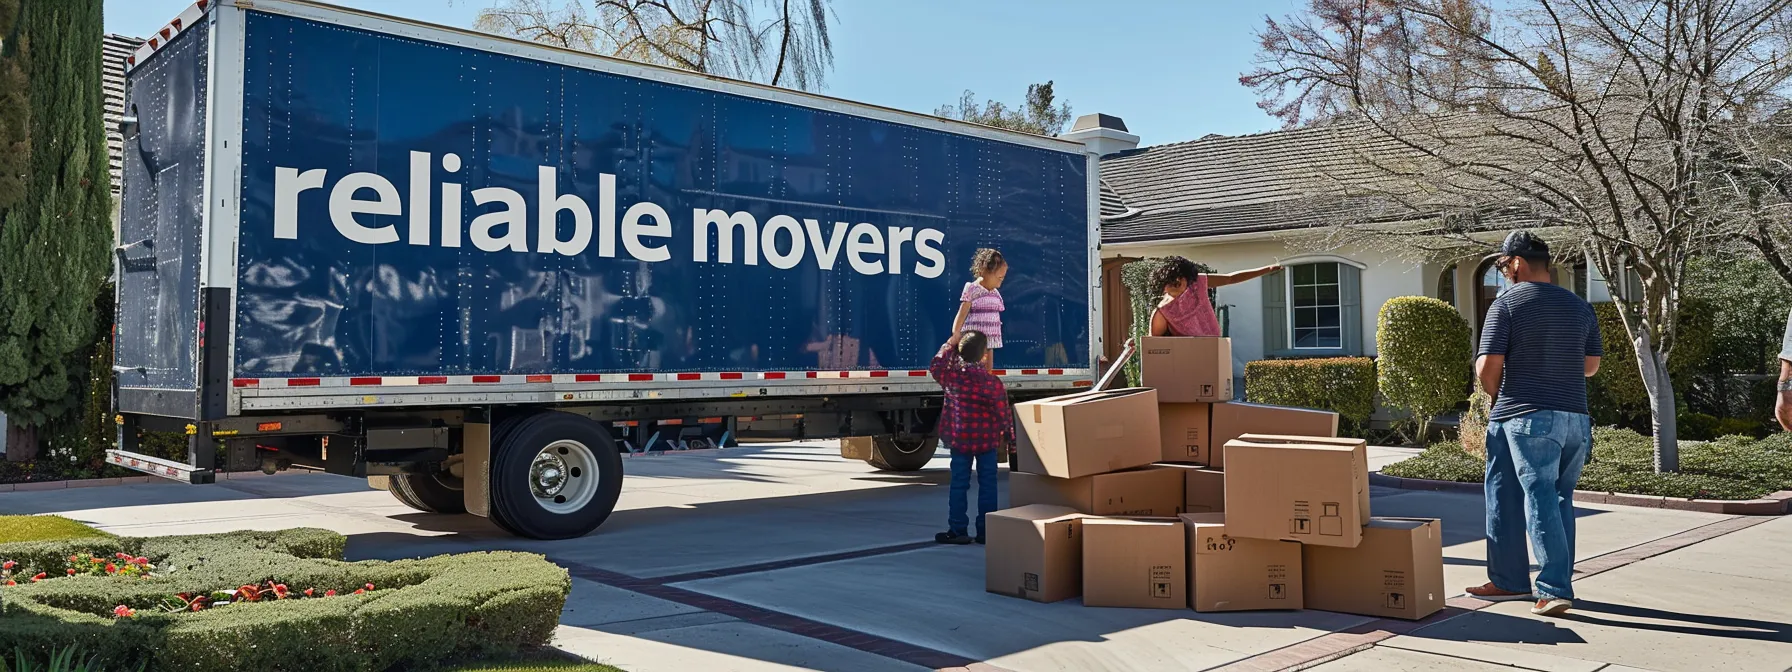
122	611
330	593
71	571
197	605
40	576
97	561
309	591
121	555
370	586
249	593
72	558
140	561
11	582
111	568
8	565
360	591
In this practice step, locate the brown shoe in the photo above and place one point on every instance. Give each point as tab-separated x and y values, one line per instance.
1491	593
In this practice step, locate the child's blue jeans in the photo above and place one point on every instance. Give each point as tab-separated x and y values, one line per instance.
956	519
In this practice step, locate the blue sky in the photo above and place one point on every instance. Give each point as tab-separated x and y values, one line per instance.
1168	67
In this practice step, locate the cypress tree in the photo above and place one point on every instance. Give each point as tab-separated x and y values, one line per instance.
54	240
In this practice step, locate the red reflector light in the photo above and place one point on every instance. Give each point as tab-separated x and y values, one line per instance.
539	378
268	427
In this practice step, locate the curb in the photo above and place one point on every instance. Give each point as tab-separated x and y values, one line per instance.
34	486
1776	504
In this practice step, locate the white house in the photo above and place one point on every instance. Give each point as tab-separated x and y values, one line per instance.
1228	202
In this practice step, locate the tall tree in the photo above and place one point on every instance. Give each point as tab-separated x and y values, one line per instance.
1590	117
1041	114
779	42
53	240
15	109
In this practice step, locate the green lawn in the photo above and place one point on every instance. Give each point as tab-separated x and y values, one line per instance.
43	528
1733	467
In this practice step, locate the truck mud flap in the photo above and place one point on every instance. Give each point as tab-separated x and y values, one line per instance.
155	466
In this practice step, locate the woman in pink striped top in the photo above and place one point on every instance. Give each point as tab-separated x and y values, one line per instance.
980	305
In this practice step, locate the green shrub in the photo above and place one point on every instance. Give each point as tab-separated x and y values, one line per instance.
1732	467
1698	427
421	613
1441	462
1343	385
43	528
1616	394
1423	358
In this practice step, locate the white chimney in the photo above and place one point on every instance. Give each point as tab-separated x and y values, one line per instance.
1102	134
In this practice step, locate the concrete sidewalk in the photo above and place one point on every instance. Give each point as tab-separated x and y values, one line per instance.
787	557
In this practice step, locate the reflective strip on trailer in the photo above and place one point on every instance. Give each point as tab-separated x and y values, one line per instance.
562	379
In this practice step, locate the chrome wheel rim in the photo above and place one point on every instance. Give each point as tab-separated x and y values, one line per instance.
563	476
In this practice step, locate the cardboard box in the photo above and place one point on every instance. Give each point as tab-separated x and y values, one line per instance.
1150	491
1184	432
1235	419
1034	553
1228	573
1090	433
1314	490
1187	369
856	447
1397	572
1134	562
1203	491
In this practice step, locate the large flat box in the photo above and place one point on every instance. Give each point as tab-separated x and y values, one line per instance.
1228	573
1314	490
1187	369
1184	431
1034	553
1090	433
1235	419
1148	491
1134	562
1397	572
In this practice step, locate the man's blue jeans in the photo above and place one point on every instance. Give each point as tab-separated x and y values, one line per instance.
1533	463
956	520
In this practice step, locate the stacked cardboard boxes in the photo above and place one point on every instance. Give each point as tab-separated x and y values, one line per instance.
1173	495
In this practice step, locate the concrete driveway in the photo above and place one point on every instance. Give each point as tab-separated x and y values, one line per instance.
785	556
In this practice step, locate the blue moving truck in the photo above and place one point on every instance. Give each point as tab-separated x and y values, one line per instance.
476	270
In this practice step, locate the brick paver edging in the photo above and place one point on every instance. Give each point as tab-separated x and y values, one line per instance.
1329	647
1776	504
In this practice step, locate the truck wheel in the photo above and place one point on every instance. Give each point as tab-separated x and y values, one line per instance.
430	493
891	453
554	476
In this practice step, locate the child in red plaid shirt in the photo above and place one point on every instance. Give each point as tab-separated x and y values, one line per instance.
976	425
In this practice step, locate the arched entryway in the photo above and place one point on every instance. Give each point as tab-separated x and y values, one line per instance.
1489	282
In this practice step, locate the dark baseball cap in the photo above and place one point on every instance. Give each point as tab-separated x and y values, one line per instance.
1524	245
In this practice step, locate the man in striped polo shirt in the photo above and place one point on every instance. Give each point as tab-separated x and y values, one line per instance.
1539	343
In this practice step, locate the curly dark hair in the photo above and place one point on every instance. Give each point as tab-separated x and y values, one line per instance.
972	345
1173	269
986	261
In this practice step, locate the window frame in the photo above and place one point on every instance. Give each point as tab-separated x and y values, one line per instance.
1289	286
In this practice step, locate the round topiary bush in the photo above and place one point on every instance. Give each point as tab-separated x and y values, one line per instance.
1424	362
274	601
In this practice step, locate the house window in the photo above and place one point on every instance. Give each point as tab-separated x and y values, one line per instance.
1446	286
1314	309
1580	279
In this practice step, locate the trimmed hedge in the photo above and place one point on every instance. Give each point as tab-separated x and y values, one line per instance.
1424	358
1343	385
423	612
1733	467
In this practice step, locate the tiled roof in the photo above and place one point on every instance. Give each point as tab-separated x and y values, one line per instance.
1221	185
117	48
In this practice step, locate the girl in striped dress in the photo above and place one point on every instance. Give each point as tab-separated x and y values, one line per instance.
980	305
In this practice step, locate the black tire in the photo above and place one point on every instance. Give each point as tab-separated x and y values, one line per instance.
430	493
890	453
583	446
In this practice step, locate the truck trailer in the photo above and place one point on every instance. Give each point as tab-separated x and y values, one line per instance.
476	270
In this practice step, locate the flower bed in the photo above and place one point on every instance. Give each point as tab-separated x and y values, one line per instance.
273	601
1730	468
